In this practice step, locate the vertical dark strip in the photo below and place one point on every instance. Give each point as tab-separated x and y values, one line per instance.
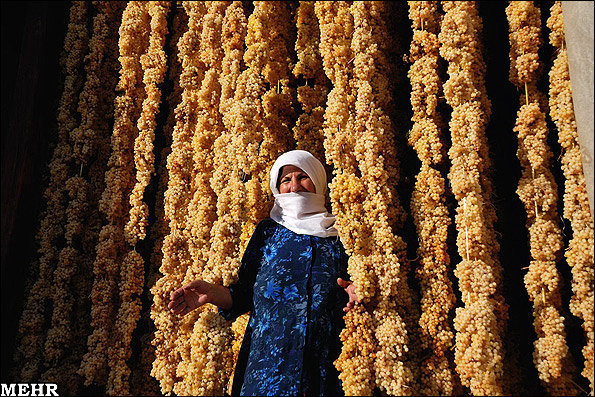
32	36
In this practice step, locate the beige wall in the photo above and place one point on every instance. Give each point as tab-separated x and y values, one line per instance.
578	29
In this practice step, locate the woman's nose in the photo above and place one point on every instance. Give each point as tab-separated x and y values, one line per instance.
295	185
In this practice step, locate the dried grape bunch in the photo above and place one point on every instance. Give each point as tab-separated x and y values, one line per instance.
59	334
119	181
153	64
538	191
428	203
97	119
579	253
209	126
30	340
211	339
359	143
125	321
65	345
131	280
202	209
171	333
395	315
312	94
226	180
266	105
355	364
479	358
225	249
142	383
239	329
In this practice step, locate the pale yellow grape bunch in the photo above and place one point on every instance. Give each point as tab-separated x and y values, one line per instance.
428	202
172	332
209	127
209	368
153	63
268	55
201	214
132	268
205	98
243	117
375	148
524	26
28	357
119	181
212	340
160	228
537	190
180	160
579	253
480	324
308	130
346	189
356	365
225	252
394	369
141	381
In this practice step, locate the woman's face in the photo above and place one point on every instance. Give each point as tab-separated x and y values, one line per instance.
293	179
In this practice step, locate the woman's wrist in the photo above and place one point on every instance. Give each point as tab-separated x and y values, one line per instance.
220	296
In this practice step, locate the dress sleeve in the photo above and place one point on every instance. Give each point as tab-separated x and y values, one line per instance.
242	290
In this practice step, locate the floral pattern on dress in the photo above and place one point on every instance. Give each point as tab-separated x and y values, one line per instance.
288	282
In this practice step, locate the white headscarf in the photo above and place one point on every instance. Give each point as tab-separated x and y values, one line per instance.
302	212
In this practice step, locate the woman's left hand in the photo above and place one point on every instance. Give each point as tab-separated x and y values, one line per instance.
350	289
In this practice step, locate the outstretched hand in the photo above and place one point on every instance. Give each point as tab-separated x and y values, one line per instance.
189	297
350	290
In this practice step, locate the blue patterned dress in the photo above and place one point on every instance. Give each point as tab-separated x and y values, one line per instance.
289	283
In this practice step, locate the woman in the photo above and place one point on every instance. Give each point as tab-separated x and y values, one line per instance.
292	280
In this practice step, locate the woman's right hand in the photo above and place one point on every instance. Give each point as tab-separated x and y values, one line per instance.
189	297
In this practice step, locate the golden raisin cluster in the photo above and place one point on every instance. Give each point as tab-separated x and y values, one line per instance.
537	190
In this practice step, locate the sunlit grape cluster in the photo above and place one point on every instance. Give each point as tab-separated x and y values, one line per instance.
359	143
538	191
119	180
131	278
428	201
312	95
264	105
356	363
225	250
202	206
171	335
141	381
579	253
480	324
211	349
